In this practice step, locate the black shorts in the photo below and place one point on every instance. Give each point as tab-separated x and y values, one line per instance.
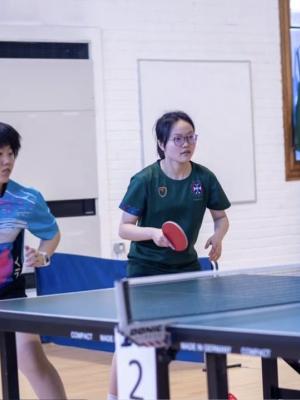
15	290
140	268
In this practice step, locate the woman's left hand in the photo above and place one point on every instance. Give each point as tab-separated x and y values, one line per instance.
33	257
216	247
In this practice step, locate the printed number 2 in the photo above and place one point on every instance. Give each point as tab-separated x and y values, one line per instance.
140	374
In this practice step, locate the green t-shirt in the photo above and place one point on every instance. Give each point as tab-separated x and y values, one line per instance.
155	198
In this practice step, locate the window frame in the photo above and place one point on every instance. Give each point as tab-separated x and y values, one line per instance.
292	166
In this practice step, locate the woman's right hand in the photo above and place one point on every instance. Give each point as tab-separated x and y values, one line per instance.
129	230
160	239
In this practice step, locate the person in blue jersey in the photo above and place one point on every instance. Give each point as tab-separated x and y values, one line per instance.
173	188
24	208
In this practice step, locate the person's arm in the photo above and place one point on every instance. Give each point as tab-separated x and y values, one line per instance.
35	257
221	225
129	230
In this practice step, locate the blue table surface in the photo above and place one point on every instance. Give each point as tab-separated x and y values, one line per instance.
278	320
224	303
91	305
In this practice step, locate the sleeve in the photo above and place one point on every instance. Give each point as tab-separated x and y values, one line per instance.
41	222
217	199
134	201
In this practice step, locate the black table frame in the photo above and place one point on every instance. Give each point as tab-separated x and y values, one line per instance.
286	347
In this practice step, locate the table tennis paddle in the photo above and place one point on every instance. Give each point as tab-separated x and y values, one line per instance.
175	234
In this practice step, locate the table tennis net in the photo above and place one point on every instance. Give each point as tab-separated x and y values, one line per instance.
213	294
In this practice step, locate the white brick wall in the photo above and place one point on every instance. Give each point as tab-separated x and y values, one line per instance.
266	232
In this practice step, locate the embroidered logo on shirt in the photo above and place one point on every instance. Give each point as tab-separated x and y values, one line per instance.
197	188
162	191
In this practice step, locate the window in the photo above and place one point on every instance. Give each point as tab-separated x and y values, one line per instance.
44	50
290	43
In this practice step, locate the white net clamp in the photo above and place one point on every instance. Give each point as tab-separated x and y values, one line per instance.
146	333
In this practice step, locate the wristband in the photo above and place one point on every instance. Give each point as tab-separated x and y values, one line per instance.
46	259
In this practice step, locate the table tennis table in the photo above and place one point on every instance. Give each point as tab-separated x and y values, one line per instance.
255	313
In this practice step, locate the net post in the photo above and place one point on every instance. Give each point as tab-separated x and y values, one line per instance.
123	304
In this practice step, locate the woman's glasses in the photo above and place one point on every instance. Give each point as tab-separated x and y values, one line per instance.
180	140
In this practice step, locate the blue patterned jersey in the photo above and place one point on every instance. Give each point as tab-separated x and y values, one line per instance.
20	208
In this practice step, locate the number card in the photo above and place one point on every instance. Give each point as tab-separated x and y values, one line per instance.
137	372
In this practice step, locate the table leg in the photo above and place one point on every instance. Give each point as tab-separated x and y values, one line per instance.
9	366
163	360
217	383
269	377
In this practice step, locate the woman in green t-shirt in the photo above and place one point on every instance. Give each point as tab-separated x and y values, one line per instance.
173	188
